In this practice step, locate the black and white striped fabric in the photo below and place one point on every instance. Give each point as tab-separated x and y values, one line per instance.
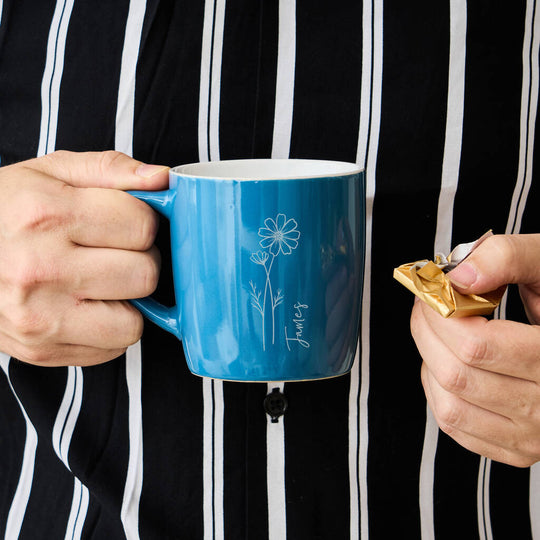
438	100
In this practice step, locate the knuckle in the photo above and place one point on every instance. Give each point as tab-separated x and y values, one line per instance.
505	247
127	329
149	272
26	279
31	327
146	229
455	380
25	323
107	160
449	417
134	327
52	159
40	214
57	155
474	349
55	162
503	244
28	273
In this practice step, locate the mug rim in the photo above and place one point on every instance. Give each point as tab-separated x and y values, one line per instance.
281	169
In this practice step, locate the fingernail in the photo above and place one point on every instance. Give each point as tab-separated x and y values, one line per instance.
145	170
463	275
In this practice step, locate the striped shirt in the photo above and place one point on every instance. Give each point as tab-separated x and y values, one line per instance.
437	100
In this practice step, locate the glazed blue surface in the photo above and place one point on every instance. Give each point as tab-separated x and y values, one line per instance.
268	275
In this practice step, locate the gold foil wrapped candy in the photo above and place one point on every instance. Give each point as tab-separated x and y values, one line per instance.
428	280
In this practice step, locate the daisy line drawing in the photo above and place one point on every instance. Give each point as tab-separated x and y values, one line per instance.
279	235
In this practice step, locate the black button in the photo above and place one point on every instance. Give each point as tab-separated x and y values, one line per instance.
275	404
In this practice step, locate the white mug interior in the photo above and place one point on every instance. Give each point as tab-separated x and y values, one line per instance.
267	169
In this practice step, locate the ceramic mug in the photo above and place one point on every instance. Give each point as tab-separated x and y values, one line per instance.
267	262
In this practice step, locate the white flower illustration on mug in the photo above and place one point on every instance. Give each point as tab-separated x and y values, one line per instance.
279	235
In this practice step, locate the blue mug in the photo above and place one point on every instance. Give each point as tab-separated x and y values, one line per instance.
268	259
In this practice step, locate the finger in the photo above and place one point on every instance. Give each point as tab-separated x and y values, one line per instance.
507	396
70	355
113	274
104	325
504	347
499	260
101	169
111	218
477	429
492	451
501	394
55	355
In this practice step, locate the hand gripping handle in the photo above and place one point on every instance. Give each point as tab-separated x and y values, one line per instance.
167	318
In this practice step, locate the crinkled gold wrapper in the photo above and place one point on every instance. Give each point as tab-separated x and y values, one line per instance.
429	282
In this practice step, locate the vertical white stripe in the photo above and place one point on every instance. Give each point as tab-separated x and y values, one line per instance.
485	501
208	459
368	143
283	115
52	76
281	144
125	109
358	406
129	513
75	503
210	79
22	493
427	475
79	509
366	82
63	429
533	107
443	235
204	84
219	411
482	500
534	501
71	420
529	106
529	103
354	497
213	401
125	114
62	414
50	94
215	90
50	102
454	125
275	474
85	501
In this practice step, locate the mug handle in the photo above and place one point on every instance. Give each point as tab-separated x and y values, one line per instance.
167	318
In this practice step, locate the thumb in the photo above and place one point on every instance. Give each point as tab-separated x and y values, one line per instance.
108	169
499	260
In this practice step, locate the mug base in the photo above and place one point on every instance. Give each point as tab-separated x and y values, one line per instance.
265	380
